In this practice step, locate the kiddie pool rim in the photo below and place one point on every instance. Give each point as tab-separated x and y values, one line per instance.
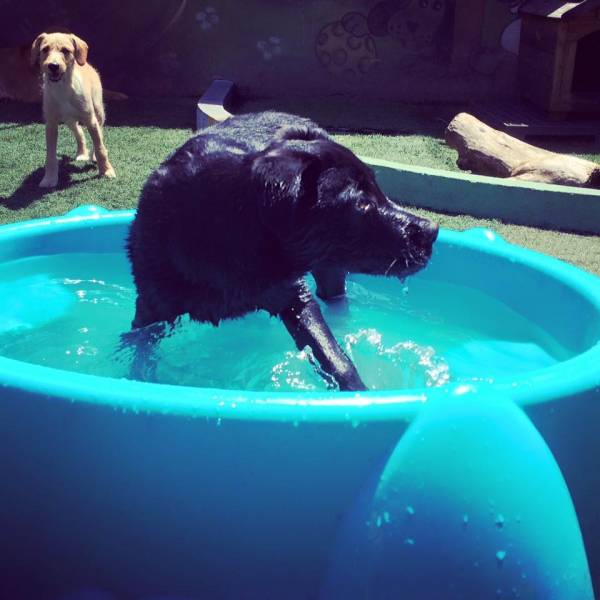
541	385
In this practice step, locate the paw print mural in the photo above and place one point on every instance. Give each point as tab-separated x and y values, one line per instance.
270	48
207	18
349	46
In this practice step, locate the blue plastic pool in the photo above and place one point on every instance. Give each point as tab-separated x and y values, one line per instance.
152	490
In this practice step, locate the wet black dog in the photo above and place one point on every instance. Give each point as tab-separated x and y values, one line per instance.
234	219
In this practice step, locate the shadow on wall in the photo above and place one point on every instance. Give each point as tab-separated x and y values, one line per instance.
177	48
398	49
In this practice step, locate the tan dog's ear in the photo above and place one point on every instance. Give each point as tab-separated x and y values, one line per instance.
81	50
34	57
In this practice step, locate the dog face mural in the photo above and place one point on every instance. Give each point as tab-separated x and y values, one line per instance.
349	48
413	23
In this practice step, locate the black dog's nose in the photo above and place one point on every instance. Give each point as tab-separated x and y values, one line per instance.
422	232
53	67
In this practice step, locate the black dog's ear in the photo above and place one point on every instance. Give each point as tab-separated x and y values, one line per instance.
298	132
289	181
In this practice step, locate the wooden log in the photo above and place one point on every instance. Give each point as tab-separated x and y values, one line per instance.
487	151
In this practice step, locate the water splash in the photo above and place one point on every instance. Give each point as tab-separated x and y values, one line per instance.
404	364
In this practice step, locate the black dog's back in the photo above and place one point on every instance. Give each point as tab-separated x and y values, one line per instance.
257	130
233	220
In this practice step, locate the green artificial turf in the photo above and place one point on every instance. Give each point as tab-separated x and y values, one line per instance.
140	134
137	142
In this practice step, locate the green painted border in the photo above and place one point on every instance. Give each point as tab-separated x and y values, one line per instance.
523	203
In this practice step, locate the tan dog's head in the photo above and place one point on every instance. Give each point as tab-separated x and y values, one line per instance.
56	53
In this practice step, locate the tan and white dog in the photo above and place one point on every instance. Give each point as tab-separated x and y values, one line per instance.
72	94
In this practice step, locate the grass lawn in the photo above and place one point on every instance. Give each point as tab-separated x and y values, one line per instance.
141	133
137	143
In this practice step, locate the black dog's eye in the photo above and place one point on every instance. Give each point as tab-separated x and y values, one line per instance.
65	51
366	205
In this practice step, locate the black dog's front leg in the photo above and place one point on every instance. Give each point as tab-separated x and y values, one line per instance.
307	326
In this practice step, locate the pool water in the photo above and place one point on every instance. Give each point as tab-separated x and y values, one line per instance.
68	311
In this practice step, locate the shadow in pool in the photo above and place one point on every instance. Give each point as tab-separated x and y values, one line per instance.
29	191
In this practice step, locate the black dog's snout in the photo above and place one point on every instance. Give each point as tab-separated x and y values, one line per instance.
422	232
53	67
431	231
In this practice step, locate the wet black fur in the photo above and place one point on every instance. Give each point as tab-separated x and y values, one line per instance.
233	220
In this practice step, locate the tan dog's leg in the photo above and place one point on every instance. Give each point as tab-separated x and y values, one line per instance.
100	151
82	151
51	175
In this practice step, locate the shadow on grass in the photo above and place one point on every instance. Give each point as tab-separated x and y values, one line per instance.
163	113
29	191
18	114
353	115
337	114
13	126
567	145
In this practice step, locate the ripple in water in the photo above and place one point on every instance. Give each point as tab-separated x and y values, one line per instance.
403	364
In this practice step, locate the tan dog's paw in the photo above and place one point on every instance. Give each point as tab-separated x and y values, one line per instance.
49	181
109	172
83	156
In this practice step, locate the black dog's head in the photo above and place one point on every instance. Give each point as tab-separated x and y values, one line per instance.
327	207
